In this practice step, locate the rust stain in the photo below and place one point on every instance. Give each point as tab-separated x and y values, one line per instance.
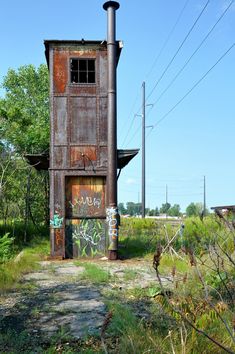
83	156
59	241
60	68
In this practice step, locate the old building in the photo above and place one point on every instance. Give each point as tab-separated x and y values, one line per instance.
83	144
78	146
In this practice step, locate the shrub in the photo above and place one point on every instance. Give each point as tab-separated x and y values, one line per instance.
6	247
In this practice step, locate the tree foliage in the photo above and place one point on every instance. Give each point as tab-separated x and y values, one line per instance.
164	208
23	190
174	210
24	128
194	209
24	112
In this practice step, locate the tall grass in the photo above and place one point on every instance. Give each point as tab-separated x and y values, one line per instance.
18	258
11	272
17	229
138	237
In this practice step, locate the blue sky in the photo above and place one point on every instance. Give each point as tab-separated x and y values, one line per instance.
197	137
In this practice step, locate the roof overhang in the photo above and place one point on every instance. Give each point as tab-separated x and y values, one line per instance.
224	207
41	161
81	43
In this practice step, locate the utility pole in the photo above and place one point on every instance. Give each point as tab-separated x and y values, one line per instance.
143	150
204	195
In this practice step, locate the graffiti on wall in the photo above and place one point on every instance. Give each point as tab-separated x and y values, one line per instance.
113	222
89	236
84	200
85	205
57	220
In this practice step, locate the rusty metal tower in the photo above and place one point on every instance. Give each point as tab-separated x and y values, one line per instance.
83	159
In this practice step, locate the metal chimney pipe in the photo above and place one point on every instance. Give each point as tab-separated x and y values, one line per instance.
112	211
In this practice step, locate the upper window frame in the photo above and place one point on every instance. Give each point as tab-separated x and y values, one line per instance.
79	71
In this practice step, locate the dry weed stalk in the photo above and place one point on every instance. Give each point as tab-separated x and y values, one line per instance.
104	327
156	263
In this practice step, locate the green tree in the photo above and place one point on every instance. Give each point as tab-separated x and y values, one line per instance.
122	209
194	209
174	210
133	208
164	208
156	212
24	128
22	190
24	111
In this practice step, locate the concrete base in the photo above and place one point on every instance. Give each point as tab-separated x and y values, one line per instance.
112	255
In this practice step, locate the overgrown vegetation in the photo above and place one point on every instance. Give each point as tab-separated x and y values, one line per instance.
189	308
17	257
193	299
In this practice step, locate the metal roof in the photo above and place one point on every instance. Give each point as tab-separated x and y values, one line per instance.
228	207
82	42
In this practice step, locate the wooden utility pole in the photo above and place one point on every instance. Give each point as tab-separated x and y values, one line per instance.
143	150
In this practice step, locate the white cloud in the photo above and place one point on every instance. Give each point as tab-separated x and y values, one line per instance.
131	181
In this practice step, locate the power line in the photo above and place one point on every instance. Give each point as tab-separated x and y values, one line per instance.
178	50
135	133
194	86
168	38
155	61
195	51
132	121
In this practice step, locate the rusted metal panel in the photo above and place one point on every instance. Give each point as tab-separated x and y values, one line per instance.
82	90
83	156
58	196
85	197
57	214
85	238
103	162
103	123
103	72
60	120
83	120
60	156
57	235
60	71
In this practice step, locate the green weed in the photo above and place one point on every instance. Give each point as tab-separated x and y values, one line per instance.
169	263
93	273
6	247
14	342
130	274
11	272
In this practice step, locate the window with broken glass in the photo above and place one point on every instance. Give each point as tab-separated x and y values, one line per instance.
82	71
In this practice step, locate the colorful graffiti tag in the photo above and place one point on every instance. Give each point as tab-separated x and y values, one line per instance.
89	201
113	221
89	236
57	220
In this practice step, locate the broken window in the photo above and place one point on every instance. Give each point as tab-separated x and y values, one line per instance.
82	71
